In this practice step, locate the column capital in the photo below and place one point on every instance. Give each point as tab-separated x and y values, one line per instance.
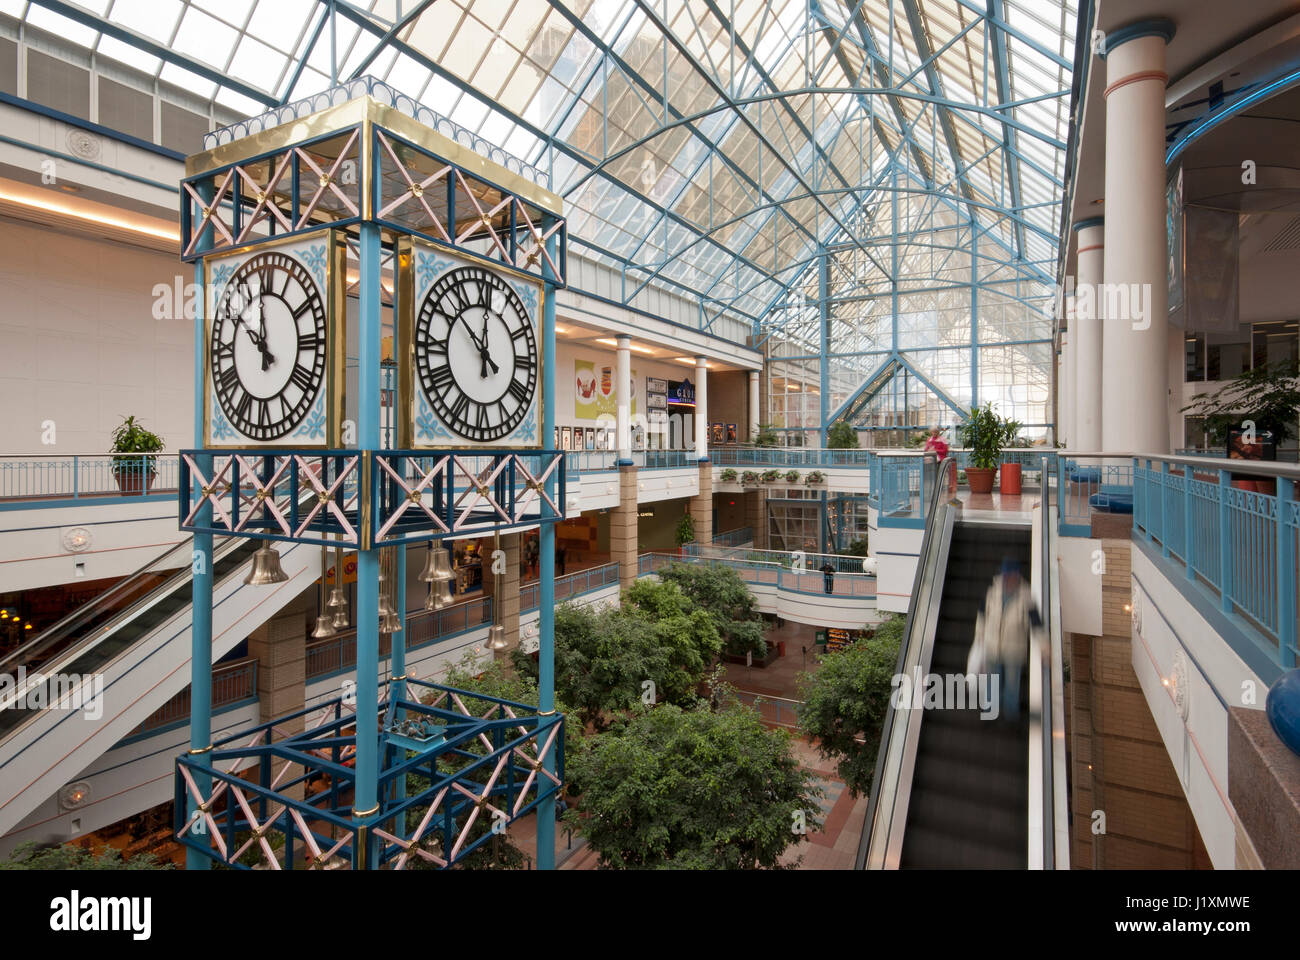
1090	222
624	341
1154	27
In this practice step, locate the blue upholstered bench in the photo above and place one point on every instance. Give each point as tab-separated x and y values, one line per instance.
1085	475
1113	502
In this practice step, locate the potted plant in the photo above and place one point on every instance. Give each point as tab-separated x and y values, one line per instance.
1011	479
767	436
814	477
792	476
685	530
728	475
771	476
134	473
749	478
982	434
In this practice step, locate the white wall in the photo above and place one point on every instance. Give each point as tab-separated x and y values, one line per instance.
1168	630
80	344
124	536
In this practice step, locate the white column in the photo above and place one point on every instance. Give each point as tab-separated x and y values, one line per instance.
623	428
1134	369
753	405
1065	392
701	409
1087	329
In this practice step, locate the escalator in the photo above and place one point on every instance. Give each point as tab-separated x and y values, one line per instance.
970	787
133	643
952	787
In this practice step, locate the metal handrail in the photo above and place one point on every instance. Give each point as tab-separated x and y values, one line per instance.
879	843
1272	468
184	572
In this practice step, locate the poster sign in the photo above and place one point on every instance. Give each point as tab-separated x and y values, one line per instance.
595	393
1174	238
681	392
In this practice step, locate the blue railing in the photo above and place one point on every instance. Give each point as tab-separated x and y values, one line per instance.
572	585
590	461
1085	487
789	457
338	653
734	538
74	477
765	572
665	459
789	559
1239	537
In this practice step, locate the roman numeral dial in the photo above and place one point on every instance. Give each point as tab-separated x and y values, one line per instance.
268	348
476	354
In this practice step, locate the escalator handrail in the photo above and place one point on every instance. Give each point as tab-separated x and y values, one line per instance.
22	655
924	584
1055	822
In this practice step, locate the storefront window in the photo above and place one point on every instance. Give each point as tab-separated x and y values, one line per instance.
1276	343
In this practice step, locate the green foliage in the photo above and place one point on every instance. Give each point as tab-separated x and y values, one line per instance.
131	437
814	477
685	532
1268	395
728	475
767	437
917	440
749	478
846	700
771	476
604	655
792	476
701	790
718	590
858	548
841	436
983	434
32	856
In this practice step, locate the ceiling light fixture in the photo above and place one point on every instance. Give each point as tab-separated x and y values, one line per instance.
80	212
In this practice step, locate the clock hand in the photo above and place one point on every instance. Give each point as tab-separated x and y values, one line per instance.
484	355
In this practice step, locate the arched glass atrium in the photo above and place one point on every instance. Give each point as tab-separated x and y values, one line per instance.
867	191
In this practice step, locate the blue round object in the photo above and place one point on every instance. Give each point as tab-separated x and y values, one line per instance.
1283	708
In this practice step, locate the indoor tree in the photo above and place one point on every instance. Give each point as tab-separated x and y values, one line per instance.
718	590
841	436
1268	394
692	789
846	700
682	630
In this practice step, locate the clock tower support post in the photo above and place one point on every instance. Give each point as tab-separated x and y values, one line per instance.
546	569
201	580
366	802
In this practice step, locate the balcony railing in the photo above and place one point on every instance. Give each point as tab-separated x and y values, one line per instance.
767	572
1237	538
789	457
734	538
74	477
336	654
571	585
232	683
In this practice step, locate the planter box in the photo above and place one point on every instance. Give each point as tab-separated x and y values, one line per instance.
134	483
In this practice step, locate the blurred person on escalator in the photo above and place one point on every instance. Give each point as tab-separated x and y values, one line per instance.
1004	629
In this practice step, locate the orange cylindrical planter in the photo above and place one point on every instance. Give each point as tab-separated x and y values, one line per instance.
1011	479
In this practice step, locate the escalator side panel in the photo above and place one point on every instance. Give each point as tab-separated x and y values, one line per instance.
969	801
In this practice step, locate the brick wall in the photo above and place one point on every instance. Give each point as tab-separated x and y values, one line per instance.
1119	764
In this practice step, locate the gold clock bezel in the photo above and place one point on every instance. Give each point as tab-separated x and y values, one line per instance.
335	296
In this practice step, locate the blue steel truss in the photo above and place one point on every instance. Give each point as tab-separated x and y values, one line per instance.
714	151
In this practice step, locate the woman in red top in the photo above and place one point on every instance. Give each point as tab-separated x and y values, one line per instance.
936	443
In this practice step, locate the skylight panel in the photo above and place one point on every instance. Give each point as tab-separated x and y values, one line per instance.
155	19
205	39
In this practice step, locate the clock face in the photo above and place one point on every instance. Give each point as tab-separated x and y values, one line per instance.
476	354
268	346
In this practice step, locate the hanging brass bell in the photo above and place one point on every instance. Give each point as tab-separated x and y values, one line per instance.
390	622
265	568
439	595
324	628
496	639
442	566
429	573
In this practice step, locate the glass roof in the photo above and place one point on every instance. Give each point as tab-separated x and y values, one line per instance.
708	147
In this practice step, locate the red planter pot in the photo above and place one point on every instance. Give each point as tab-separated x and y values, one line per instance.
1011	479
980	481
